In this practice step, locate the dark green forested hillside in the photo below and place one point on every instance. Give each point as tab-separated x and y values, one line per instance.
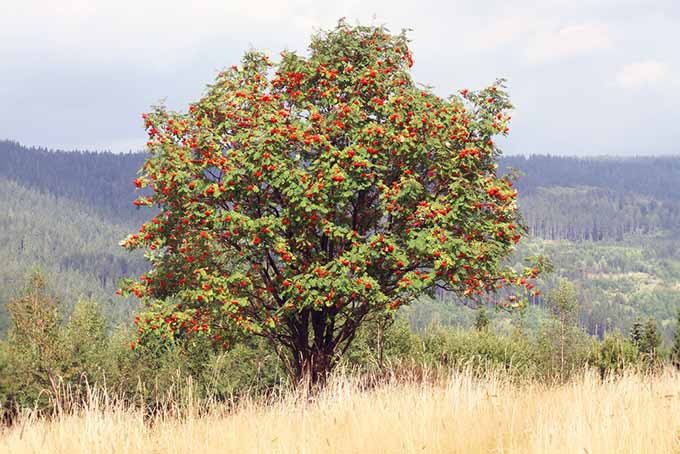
610	225
100	182
618	281
657	177
562	198
598	214
78	250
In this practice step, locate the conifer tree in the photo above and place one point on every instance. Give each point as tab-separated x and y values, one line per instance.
675	349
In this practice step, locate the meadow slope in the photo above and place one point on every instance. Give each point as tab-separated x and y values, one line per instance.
459	414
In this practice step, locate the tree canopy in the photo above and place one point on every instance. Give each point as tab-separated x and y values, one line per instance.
300	198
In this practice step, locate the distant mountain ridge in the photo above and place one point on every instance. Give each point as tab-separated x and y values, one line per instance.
658	177
101	182
640	194
612	226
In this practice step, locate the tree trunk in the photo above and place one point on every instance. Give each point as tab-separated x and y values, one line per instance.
316	343
313	366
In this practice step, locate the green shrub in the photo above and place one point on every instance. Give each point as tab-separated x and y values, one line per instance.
614	354
380	343
479	350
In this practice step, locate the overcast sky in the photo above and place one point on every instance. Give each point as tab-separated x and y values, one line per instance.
587	77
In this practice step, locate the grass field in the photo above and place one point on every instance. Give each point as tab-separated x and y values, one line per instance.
458	414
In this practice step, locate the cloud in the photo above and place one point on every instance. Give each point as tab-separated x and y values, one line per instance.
641	73
130	31
569	41
91	66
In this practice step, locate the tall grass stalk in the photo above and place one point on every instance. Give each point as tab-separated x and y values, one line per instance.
402	411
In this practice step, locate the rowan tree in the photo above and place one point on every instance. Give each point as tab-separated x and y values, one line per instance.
299	198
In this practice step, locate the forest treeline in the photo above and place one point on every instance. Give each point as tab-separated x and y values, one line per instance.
587	213
560	197
77	248
650	176
100	182
611	226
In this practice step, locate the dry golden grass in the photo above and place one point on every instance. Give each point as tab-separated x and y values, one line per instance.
460	414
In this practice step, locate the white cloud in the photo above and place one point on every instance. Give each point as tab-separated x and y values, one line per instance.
641	73
138	31
569	41
159	32
101	62
488	33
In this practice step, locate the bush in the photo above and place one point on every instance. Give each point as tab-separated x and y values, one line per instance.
34	349
381	342
561	351
46	364
478	349
613	355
